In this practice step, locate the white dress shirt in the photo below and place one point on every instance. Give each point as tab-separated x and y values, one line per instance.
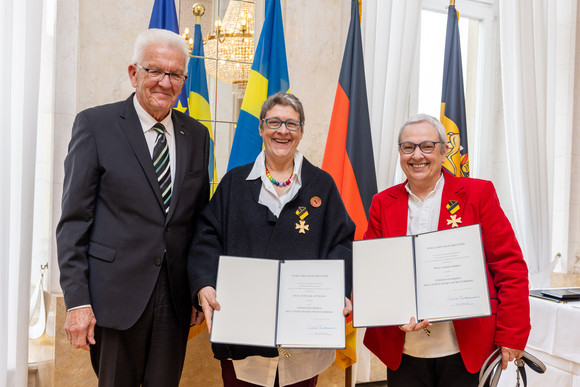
423	216
147	123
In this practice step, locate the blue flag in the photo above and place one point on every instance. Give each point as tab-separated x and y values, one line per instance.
198	95
268	76
453	115
164	16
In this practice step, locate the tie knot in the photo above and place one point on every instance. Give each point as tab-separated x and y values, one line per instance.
159	128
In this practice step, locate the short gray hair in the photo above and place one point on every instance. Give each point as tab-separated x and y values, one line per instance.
159	37
284	99
422	117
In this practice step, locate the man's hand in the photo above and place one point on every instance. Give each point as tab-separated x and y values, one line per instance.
508	354
80	327
347	307
414	326
208	302
197	317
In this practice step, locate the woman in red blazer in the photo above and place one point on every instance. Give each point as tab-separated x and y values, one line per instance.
464	201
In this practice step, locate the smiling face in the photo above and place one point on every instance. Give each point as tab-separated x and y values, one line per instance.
280	144
157	97
422	170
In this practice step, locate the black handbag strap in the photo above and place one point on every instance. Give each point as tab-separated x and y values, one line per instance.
491	369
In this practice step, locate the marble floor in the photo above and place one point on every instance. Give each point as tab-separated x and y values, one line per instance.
41	361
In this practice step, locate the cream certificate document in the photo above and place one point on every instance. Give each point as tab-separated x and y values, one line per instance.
310	306
266	302
383	282
247	291
451	279
435	276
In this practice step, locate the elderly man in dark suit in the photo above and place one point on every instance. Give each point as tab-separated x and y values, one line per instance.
136	178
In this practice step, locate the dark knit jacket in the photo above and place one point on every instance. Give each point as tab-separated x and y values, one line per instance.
235	224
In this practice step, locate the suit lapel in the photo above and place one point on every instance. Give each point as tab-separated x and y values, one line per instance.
255	187
181	157
452	203
131	128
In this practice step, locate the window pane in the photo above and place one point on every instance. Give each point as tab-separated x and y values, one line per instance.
432	51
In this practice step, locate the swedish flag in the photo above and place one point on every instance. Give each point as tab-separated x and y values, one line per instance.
164	16
453	101
268	76
198	98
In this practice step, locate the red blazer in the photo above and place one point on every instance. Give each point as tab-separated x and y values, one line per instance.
507	273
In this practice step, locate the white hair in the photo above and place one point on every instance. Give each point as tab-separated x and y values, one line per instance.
159	37
422	117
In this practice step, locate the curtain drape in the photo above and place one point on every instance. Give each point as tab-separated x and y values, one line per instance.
536	45
20	31
391	32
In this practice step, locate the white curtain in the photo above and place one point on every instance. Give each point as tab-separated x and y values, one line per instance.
20	40
391	32
536	45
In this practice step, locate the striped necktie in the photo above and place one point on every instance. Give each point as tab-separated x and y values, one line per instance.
161	165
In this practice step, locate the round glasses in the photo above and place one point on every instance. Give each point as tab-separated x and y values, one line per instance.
158	75
427	147
276	123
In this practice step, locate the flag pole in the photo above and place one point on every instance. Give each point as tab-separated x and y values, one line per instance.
198	11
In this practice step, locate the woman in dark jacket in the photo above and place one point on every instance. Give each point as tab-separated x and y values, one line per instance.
258	211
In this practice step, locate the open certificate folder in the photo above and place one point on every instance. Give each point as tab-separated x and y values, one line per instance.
293	304
435	276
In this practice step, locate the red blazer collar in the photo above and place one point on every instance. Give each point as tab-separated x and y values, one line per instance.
452	201
453	197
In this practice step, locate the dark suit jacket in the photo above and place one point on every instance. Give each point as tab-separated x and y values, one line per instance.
113	235
507	273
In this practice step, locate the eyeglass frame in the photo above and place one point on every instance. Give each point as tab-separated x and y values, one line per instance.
148	71
434	143
266	120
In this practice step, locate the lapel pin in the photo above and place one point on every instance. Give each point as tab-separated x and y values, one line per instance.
452	206
301	212
302	227
454	221
315	201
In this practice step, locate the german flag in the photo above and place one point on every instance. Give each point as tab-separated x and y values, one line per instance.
453	101
348	156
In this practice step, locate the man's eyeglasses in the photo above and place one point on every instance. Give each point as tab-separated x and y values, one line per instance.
427	147
276	123
158	75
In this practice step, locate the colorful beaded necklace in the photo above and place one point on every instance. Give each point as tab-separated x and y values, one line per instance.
284	184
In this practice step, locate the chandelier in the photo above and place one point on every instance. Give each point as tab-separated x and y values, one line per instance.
231	44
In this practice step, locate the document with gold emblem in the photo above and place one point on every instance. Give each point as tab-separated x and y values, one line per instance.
292	304
434	276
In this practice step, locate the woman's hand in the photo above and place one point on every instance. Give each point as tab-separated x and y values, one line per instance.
413	326
208	302
347	307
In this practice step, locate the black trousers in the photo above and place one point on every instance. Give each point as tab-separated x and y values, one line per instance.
447	371
150	353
